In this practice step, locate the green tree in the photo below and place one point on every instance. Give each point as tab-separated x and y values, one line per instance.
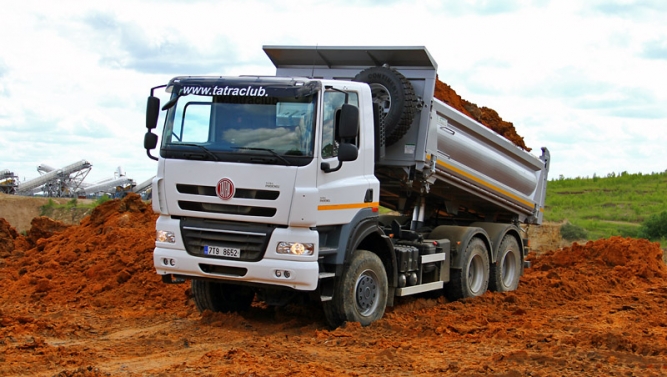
655	227
571	232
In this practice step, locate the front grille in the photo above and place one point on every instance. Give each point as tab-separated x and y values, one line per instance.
240	193
229	209
251	239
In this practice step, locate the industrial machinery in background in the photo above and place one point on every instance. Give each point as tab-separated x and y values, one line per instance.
64	182
144	189
9	182
115	187
68	181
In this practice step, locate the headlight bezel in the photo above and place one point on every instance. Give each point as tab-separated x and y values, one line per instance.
165	236
295	248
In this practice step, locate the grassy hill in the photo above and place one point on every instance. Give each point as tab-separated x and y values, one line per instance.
607	206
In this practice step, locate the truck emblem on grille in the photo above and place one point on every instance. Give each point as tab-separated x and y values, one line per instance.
225	189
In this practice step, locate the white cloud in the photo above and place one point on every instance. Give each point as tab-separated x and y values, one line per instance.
584	79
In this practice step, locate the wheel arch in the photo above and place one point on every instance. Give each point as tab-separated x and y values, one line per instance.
460	237
363	238
382	246
496	234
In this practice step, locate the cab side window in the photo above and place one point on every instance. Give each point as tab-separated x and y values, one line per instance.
333	101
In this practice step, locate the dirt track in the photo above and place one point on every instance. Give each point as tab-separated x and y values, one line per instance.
86	302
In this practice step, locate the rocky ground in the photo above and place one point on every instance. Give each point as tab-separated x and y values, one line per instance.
83	300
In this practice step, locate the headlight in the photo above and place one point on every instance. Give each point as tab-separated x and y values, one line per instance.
295	248
165	236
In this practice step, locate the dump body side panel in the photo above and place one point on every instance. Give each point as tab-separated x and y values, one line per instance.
465	162
474	158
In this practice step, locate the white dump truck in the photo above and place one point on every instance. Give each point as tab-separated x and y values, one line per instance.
340	179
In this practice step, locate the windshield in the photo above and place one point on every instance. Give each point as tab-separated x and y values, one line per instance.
241	122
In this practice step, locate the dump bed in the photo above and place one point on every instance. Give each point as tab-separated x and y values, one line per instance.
478	161
461	163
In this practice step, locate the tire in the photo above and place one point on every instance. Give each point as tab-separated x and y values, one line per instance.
396	96
220	297
506	272
361	292
333	313
472	279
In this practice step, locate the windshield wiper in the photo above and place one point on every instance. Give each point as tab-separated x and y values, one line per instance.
208	152
283	159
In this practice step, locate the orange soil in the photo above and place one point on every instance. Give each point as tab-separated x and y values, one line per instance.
484	115
84	300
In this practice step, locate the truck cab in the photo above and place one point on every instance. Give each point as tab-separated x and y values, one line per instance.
250	167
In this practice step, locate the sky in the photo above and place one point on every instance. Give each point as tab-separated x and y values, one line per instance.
586	79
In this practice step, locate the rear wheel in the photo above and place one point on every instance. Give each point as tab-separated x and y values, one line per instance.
361	293
506	272
473	278
220	297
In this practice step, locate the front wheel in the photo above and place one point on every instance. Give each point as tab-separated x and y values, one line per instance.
361	293
220	297
473	278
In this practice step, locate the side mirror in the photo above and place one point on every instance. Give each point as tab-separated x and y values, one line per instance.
348	125
150	142
347	152
347	129
152	112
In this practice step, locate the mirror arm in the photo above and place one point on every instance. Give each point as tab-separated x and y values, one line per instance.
148	152
157	87
327	169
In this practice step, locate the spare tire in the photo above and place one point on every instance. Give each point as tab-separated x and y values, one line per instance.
395	94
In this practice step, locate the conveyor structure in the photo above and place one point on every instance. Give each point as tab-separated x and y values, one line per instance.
107	187
144	188
64	182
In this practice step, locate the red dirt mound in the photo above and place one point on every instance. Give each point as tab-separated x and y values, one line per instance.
104	262
602	266
484	115
42	228
7	237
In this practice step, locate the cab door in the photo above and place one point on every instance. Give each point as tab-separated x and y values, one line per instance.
342	193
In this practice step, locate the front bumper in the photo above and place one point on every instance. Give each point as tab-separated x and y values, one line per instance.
302	275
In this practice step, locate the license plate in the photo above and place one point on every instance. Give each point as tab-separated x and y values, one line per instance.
229	252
